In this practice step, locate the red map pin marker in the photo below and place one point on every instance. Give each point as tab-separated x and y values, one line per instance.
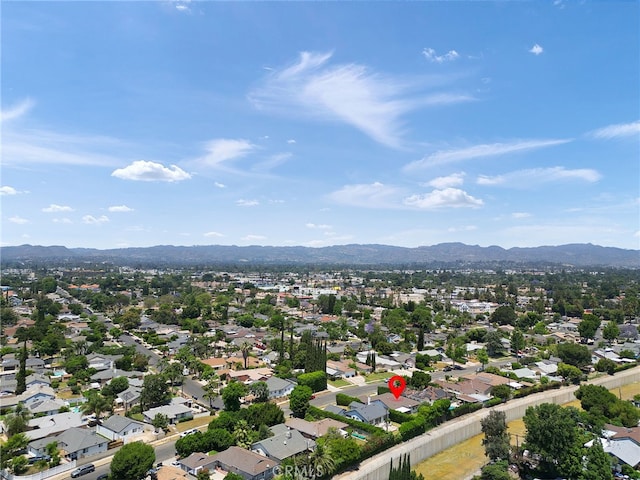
397	384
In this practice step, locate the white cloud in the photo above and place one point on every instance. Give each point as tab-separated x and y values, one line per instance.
350	93
535	176
618	130
62	220
213	234
251	237
6	190
120	208
519	215
453	180
91	220
145	171
291	141
479	151
18	220
223	149
374	195
247	203
17	111
536	49
272	161
447	198
219	185
430	54
47	147
53	208
318	226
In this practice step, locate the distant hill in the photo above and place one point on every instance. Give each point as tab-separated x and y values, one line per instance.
580	255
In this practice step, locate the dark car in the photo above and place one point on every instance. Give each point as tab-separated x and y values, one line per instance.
83	470
104	476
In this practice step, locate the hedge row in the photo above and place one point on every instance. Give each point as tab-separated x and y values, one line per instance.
400	417
523	392
343	399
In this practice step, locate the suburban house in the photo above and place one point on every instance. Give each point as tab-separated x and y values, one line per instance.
117	427
402	404
250	465
315	429
279	387
46	426
174	413
45	407
374	413
129	397
284	445
196	462
101	362
622	443
75	443
339	370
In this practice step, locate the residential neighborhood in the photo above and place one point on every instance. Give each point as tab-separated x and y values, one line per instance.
249	373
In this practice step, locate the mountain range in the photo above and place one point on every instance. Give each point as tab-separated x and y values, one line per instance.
443	254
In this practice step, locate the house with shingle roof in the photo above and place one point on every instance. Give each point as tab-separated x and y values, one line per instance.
174	413
373	413
622	443
279	387
117	427
283	446
250	465
315	429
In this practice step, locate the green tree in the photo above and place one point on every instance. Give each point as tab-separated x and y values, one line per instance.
483	357
132	461
233	476
299	400
21	376
495	471
496	439
173	373
493	343
9	449
155	392
97	404
597	463
160	421
243	435
260	390
588	326
504	315
232	394
321	461
574	354
17	421
611	331
517	341
570	373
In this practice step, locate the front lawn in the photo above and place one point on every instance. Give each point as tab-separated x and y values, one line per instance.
338	383
374	377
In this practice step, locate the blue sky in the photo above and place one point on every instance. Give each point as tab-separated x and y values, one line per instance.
320	123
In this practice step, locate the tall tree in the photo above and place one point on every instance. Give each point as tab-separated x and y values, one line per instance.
155	392
496	439
21	376
299	400
232	394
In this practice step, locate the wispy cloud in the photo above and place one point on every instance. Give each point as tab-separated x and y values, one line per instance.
146	171
53	208
616	131
272	162
66	221
430	54
223	149
91	220
531	177
480	151
536	49
251	237
519	215
350	93
247	203
446	198
291	141
6	190
120	208
47	147
213	234
18	220
17	111
374	195
315	226
219	185
453	180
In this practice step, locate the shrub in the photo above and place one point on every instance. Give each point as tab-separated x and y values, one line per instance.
317	381
344	399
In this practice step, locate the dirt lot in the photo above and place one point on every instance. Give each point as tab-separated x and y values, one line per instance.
467	457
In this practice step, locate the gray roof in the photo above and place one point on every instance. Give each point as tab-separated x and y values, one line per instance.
118	423
75	439
369	412
245	461
334	409
197	459
276	383
285	445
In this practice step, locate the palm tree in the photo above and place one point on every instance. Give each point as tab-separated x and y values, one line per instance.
96	404
245	348
321	461
243	434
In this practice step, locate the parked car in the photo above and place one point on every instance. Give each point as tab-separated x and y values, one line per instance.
104	476
83	470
